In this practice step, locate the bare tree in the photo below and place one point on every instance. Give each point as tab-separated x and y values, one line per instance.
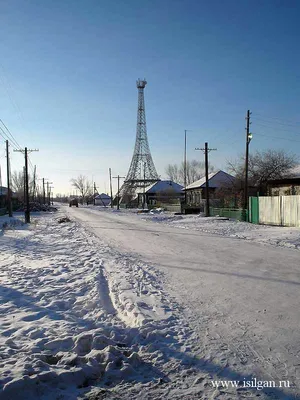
172	172
17	183
194	171
83	185
264	166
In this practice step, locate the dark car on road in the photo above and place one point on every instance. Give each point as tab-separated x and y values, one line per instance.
73	202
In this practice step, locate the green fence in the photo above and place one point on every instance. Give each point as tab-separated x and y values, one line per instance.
254	210
235	213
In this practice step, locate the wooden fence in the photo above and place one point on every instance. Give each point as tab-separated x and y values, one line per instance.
279	210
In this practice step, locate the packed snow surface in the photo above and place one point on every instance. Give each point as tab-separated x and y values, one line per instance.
112	305
273	235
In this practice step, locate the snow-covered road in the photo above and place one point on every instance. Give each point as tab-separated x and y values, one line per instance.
240	298
111	305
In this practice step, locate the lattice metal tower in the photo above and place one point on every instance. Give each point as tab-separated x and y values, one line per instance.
142	171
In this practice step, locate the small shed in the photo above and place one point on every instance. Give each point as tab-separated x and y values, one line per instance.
102	200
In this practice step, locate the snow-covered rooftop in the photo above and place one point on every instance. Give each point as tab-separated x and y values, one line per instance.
215	179
164	185
102	196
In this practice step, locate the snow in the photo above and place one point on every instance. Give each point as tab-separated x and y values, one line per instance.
270	235
125	305
73	312
11	222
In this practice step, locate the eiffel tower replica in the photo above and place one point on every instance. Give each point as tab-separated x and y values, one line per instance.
142	172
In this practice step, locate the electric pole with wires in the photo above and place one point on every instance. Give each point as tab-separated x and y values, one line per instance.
118	195
206	150
248	140
111	194
26	200
9	204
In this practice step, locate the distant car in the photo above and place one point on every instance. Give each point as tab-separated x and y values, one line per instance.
73	202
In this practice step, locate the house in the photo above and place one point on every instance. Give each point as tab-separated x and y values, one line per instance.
161	193
283	187
102	200
3	198
217	181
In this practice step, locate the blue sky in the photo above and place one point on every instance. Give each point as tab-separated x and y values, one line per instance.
68	72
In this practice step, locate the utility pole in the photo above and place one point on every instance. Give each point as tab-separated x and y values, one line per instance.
33	183
94	193
50	187
47	190
206	150
27	212
48	195
27	208
44	199
118	195
184	166
111	194
248	140
9	205
144	185
24	185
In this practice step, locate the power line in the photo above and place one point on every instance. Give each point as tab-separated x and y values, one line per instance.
10	134
276	137
277	128
6	137
9	88
276	122
278	119
76	170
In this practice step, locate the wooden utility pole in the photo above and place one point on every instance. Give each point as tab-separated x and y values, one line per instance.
206	180
144	186
248	140
9	205
47	183
34	183
50	202
94	202
118	195
44	197
24	186
27	211
206	150
48	195
111	194
185	165
26	199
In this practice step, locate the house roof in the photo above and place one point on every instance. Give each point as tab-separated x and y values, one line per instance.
162	186
215	180
102	196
